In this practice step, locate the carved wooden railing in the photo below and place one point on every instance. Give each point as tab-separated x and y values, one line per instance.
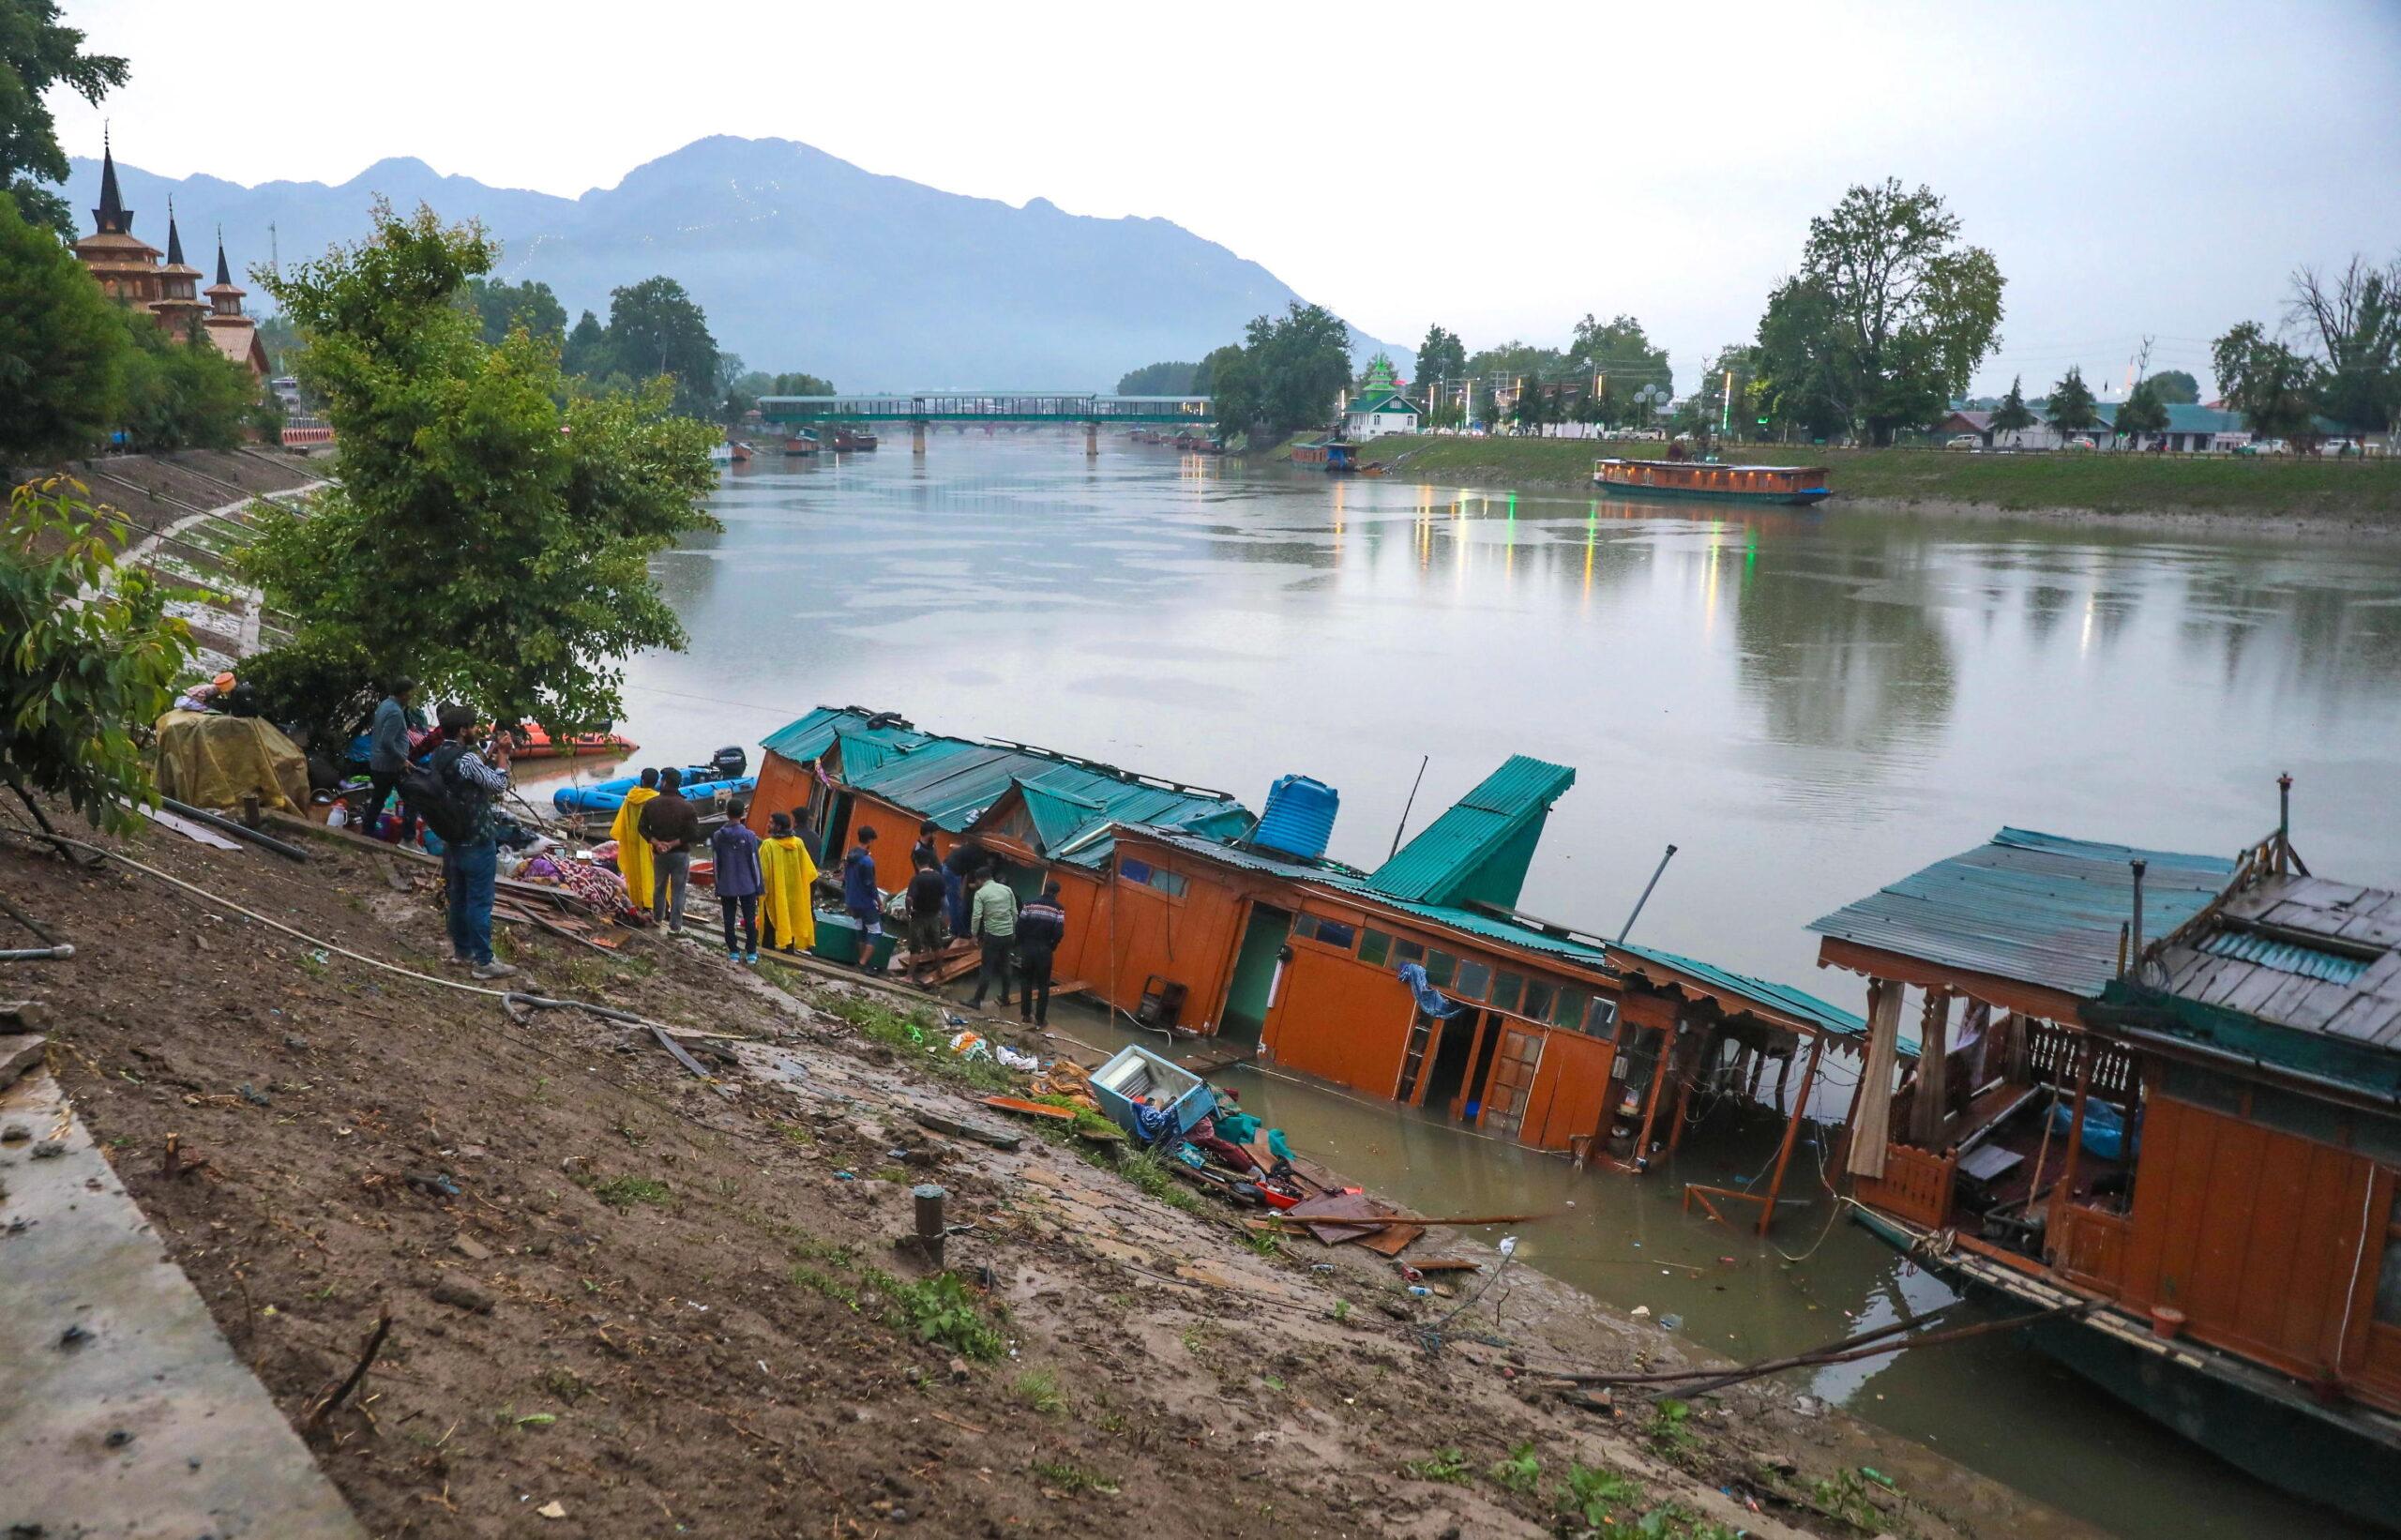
1915	1187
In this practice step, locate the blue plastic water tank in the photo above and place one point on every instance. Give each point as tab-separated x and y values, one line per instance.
1299	819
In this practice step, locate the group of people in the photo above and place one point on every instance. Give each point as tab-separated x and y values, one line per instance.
964	895
762	885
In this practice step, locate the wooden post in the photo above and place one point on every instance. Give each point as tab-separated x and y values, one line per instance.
1706	1041
1784	1073
1933	1072
1792	1129
1758	1064
2075	1143
1668	1045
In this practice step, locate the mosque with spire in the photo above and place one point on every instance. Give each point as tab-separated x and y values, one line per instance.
131	272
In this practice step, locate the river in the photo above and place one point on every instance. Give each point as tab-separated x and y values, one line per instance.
1807	704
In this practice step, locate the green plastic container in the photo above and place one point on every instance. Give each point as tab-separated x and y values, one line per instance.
838	941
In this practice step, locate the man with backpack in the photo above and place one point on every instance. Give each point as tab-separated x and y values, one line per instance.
454	793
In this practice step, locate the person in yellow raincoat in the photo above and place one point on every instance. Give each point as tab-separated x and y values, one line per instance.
786	913
633	850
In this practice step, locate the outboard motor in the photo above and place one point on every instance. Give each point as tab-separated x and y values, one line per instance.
729	761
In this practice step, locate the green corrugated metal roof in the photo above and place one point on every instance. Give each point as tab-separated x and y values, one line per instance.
1448	856
1057	816
951	780
2285	956
2036	908
1767	992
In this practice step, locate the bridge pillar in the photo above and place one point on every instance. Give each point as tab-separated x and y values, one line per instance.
918	436
1091	441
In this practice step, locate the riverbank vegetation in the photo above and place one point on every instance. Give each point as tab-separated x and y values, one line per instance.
492	528
2088	481
1284	375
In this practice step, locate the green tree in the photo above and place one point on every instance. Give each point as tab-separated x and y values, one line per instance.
1806	377
35	53
500	304
1227	378
1441	357
1619	352
2174	388
1299	362
2274	388
90	658
2012	415
492	528
1708	399
1167	379
2354	316
1913	310
2071	406
179	392
2140	413
1530	410
62	346
656	328
586	353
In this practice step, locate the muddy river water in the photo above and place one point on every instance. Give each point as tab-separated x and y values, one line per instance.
1808	704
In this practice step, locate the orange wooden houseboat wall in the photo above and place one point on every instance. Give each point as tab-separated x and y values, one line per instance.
2256	1234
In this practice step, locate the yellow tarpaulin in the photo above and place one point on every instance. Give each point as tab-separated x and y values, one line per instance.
214	761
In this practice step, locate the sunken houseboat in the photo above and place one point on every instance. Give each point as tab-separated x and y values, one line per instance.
2162	1091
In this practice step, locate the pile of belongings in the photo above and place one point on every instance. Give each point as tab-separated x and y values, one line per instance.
974	1045
212	761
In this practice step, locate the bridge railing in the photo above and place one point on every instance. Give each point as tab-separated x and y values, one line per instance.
989	406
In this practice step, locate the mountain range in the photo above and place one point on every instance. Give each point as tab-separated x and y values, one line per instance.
802	260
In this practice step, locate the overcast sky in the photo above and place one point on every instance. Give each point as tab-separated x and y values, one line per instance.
1501	169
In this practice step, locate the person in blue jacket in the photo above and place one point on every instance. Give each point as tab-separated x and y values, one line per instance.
862	897
739	882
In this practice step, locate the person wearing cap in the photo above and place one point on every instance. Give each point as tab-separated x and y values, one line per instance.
1041	926
208	695
387	755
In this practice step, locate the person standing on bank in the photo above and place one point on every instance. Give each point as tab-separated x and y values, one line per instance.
387	756
862	897
789	873
923	853
956	868
471	863
633	850
671	826
740	880
1041	926
926	903
994	918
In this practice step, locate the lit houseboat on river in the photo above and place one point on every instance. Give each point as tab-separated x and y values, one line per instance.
2163	1090
1781	484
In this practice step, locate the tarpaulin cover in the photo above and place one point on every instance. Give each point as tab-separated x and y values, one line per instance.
214	762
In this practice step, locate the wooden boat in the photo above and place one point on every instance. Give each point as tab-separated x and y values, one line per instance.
2194	1139
1332	456
800	444
740	451
537	743
1790	485
853	441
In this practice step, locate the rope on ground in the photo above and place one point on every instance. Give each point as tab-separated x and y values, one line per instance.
1431	1338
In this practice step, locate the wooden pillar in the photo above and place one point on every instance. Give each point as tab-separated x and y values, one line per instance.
1668	1045
2075	1141
1758	1064
1704	1043
1792	1129
1933	1072
1784	1073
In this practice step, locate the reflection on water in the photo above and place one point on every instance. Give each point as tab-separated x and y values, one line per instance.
1807	704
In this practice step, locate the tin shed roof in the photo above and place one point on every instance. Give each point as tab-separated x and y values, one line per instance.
2035	908
1780	998
1480	847
950	780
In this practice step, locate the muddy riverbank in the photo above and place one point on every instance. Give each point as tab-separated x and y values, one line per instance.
672	1305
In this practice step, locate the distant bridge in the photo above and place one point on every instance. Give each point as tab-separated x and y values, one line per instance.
989	406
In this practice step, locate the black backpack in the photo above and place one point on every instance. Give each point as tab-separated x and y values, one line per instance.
434	791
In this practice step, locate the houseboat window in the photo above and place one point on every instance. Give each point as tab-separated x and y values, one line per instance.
1474	980
1441	967
1569	1011
1506	988
1018	825
1332	932
1408	951
1160	878
1600	1019
1374	947
1540	997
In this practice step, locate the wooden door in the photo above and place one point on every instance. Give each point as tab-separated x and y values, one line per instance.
1512	1080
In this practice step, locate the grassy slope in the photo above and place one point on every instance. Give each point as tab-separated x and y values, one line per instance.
2097	481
